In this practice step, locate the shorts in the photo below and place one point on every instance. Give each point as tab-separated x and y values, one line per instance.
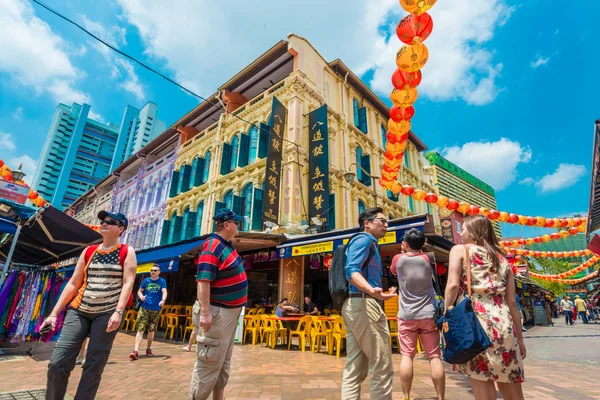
147	320
409	330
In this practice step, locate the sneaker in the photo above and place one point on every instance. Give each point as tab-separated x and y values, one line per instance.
134	355
80	360
523	329
149	353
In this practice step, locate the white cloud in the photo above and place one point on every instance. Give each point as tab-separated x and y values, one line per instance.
539	61
7	154
7	142
18	114
120	68
459	66
33	55
495	163
527	181
96	117
566	175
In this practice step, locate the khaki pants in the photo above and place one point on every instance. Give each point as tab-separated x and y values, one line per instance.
368	349
213	352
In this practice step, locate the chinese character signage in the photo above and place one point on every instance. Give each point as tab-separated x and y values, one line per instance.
13	191
274	155
318	164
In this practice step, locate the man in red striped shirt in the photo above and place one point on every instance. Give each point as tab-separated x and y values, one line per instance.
222	292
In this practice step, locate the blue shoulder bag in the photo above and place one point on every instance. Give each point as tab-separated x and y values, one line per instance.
463	336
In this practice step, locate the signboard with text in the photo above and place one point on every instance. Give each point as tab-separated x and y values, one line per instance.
274	156
318	165
13	191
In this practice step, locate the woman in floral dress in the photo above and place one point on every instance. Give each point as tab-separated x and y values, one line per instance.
494	303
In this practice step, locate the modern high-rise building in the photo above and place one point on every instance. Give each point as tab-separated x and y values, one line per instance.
80	152
456	183
138	128
76	156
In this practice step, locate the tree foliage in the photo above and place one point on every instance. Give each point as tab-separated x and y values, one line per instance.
549	266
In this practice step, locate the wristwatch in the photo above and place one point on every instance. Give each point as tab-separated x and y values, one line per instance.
119	312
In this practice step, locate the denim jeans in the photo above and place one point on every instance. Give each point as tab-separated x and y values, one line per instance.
78	326
583	316
568	317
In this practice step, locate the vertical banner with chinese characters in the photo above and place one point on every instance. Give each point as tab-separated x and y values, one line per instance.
274	155
318	165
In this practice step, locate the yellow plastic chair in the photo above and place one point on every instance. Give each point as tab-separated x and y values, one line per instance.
274	331
252	311
172	323
322	332
339	334
333	313
162	319
188	310
303	333
189	327
394	334
260	311
130	318
177	310
327	312
252	327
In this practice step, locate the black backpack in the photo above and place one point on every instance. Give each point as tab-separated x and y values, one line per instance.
338	285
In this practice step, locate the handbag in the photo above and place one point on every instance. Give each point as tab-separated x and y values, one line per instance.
463	336
138	304
439	296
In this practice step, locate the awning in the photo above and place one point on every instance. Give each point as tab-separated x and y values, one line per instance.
12	210
8	225
329	241
49	237
170	265
170	251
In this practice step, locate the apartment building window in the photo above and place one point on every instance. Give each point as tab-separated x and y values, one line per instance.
364	161
360	116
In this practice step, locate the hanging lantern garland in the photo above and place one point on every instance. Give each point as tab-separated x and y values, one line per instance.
544	238
6	174
93	227
412	30
548	254
556	277
565	281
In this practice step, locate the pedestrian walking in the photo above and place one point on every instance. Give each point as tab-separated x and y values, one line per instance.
222	292
367	332
581	309
494	303
153	294
567	305
416	310
98	293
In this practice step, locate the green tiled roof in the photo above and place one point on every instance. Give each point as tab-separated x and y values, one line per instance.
570	243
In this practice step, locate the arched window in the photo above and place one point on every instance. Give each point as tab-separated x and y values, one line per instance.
194	170
247	196
228	199
149	238
206	166
235	148
199	212
139	238
361	207
184	224
355	107
158	197
131	238
148	198
253	133
411	207
359	172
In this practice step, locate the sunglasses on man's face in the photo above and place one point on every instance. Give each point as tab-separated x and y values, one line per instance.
110	222
154	270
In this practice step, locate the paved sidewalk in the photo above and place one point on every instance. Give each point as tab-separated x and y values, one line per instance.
261	373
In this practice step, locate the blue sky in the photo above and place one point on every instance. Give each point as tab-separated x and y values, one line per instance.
509	92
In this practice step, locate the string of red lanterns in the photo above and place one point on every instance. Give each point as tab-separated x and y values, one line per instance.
544	238
589	263
548	254
555	279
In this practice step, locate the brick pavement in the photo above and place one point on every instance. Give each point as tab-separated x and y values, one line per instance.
261	373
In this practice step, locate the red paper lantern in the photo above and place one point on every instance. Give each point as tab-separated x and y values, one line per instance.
431	198
537	239
400	79
554	236
473	210
398	114
564	222
493	214
549	223
537	254
531	221
561	254
2	162
522	242
513	218
414	29
440	269
578	221
407	190
452	205
573	230
7	177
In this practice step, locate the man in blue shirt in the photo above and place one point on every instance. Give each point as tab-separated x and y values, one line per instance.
367	333
153	294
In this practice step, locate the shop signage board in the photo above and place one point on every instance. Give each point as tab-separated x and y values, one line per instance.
13	191
539	313
318	165
328	246
171	265
274	155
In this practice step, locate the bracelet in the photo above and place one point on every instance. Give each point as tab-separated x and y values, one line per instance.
120	312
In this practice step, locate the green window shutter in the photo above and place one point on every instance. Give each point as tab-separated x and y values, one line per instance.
244	150
199	177
257	209
164	235
226	159
362	119
191	225
263	140
356	108
185	178
366	164
238	205
193	172
219	205
331	216
199	213
176	229
174	184
391	195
